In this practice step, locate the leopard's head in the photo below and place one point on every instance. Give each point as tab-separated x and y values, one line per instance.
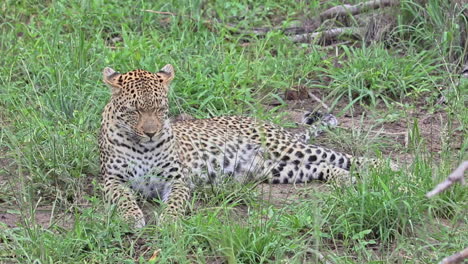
139	103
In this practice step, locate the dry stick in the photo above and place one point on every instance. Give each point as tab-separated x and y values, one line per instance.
264	30
456	176
328	34
160	12
379	131
456	258
320	101
356	9
319	255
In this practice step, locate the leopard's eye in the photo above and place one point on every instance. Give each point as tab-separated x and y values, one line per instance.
129	110
162	109
125	109
132	107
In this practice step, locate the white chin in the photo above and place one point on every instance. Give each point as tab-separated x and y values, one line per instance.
145	140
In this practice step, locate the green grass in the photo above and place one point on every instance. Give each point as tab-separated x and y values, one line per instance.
51	98
375	75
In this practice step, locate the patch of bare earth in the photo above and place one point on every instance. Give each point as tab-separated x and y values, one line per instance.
44	216
281	195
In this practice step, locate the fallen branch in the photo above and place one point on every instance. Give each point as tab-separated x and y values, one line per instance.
311	95
262	31
328	34
356	9
160	12
319	255
456	258
456	176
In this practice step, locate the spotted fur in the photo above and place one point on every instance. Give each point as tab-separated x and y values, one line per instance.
143	151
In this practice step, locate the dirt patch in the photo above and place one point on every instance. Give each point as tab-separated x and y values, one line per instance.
44	216
284	194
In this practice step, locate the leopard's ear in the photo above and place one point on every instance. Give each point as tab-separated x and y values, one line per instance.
167	73
111	78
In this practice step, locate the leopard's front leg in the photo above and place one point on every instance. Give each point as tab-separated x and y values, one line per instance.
176	200
118	193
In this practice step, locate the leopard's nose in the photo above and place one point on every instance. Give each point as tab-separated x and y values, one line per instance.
150	134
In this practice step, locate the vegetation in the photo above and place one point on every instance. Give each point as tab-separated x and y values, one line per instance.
51	97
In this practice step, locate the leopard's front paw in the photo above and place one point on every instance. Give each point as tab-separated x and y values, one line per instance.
167	217
139	223
136	219
394	166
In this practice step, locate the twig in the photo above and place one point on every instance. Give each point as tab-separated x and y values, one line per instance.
356	9
328	34
381	132
160	12
311	95
319	255
456	176
262	31
456	258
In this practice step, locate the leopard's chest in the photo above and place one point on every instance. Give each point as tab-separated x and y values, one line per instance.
146	168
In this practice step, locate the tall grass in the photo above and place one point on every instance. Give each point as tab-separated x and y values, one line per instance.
374	75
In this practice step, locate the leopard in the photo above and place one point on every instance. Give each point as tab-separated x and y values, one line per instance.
145	154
